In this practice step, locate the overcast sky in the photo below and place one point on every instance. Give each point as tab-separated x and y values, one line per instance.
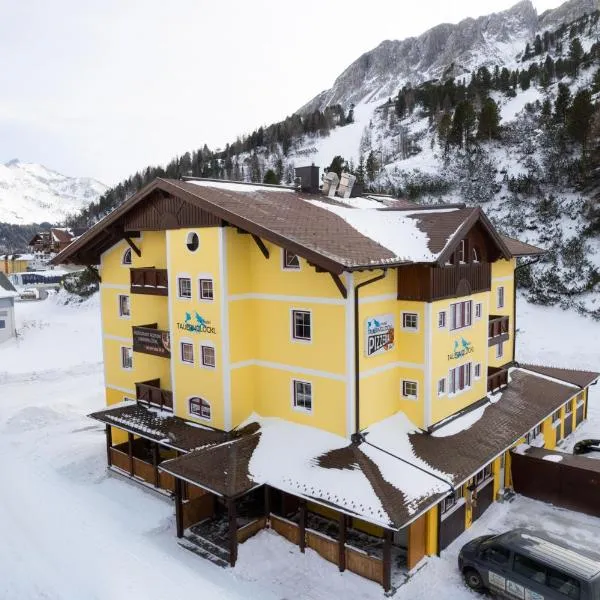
102	88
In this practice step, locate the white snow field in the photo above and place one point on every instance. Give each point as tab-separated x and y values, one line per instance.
71	531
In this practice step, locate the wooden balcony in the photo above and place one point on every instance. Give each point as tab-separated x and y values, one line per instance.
148	280
426	283
150	393
497	379
148	339
498	329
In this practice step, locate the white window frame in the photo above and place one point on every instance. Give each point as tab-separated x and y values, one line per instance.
293	391
414	396
453	378
300	340
410	314
500	297
455	311
500	350
207	278
441	384
474	254
123	315
129	350
462	251
442	319
204	365
284	263
181	277
189	343
477	371
196	415
187	241
558	420
478	310
127	253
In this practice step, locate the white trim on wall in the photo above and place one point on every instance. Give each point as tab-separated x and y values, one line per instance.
225	349
388	367
170	299
350	341
289	368
117	338
380	298
114	286
504	278
120	389
427	372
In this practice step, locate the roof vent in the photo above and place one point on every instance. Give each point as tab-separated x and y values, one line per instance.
346	185
330	184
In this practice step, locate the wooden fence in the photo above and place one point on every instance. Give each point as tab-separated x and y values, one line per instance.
250	529
286	528
366	566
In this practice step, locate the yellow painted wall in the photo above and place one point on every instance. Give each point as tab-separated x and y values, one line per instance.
13	266
503	275
549	434
431	546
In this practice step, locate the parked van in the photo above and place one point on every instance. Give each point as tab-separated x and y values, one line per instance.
525	565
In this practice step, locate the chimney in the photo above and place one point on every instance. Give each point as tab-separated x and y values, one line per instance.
330	184
309	179
346	185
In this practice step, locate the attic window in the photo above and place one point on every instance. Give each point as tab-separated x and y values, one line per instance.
126	257
475	254
192	241
290	260
462	251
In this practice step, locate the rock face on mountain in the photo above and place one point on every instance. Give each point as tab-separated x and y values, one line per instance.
444	50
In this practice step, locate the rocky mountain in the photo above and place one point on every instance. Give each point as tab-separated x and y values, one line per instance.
446	50
32	193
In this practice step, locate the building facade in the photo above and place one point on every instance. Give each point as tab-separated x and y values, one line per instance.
346	332
7	309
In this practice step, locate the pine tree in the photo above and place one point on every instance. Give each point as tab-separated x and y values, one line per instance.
444	127
561	105
372	166
338	164
489	120
537	45
271	177
360	171
596	82
579	118
575	55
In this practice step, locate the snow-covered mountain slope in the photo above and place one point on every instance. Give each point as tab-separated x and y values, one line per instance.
448	50
31	193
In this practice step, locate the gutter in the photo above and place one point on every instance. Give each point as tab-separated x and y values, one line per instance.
356	437
521	266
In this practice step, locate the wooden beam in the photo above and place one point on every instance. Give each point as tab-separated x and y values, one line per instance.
108	444
130	452
133	246
178	508
155	464
261	245
231	509
302	526
340	286
387	560
267	502
342	543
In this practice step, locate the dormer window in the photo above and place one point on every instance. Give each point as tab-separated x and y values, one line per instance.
291	261
475	254
126	257
462	251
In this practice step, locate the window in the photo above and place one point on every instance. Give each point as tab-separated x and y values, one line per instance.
562	583
500	350
409	389
301	327
449	501
460	314
462	251
478	310
496	554
126	358
126	260
410	321
184	287
187	352
477	371
2	324
290	260
500	299
124	306
206	289
459	378
556	417
199	407
192	241
442	319
208	356
303	395
441	386
484	474
475	254
529	568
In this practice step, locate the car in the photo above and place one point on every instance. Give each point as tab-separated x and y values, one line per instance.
528	565
585	446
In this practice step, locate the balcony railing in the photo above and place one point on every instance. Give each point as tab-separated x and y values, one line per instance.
497	379
148	280
148	339
150	393
426	283
498	329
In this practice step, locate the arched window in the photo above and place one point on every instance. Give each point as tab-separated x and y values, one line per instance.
475	256
199	407
192	241
126	257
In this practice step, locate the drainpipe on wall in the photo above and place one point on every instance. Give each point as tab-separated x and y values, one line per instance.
356	438
521	266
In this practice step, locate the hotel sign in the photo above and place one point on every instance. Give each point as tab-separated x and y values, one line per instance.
461	348
152	341
196	324
379	334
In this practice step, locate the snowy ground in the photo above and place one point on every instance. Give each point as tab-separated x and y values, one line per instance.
69	531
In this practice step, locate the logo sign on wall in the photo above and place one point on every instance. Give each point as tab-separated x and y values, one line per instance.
461	348
195	323
379	335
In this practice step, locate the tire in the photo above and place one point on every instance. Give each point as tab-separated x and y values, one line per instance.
473	580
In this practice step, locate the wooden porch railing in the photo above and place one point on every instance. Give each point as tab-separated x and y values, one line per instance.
150	393
148	280
497	326
497	379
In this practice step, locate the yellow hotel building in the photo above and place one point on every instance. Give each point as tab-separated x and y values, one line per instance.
339	370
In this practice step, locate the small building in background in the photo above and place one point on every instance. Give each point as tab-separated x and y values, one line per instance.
8	293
